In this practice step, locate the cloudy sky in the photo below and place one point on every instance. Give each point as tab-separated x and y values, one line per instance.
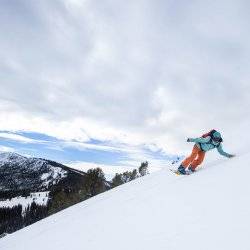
116	82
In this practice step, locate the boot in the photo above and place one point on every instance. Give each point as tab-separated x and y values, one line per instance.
190	170
181	170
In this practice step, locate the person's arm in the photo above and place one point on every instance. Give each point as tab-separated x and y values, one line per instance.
199	140
222	152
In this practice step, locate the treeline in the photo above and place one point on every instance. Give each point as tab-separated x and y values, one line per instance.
127	176
9	194
78	188
12	219
69	191
96	182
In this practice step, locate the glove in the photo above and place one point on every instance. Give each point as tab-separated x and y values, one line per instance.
231	156
188	139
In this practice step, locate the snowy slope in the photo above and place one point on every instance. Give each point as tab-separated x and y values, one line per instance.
207	210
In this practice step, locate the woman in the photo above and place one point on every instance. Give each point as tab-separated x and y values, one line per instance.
203	144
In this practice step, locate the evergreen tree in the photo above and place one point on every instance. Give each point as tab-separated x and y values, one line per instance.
117	180
143	169
134	174
95	181
127	176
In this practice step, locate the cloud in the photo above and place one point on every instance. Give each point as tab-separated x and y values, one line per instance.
108	147
19	138
130	157
133	72
109	170
6	149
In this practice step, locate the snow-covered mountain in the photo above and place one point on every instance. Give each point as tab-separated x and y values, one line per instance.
23	173
207	210
33	188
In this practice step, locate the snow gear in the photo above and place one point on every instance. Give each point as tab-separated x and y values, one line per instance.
181	169
175	171
195	159
191	169
215	135
206	142
188	172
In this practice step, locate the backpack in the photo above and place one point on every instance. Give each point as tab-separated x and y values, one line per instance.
210	133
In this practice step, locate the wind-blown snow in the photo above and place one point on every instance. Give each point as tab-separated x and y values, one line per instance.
209	210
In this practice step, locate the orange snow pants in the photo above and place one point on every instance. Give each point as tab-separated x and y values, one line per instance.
195	159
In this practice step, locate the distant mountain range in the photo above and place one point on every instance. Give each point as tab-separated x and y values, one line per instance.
34	174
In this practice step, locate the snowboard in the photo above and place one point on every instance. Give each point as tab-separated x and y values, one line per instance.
175	171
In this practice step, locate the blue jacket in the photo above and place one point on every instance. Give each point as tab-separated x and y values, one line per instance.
204	145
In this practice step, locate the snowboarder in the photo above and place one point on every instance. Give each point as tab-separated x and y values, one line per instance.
203	144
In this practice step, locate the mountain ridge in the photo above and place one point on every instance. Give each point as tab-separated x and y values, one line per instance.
18	172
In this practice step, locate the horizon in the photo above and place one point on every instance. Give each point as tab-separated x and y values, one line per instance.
114	83
83	156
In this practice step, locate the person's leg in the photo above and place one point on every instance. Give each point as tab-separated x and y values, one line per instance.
192	157
196	162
